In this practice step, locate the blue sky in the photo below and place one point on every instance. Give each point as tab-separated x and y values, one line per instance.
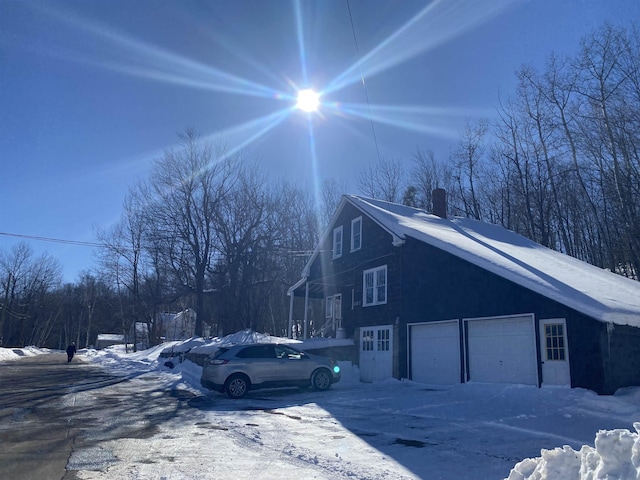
91	91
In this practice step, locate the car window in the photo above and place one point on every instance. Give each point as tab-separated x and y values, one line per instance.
287	352
220	351
257	351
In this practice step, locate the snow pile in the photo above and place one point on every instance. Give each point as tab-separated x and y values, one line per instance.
248	336
616	456
208	347
182	346
243	336
15	353
116	357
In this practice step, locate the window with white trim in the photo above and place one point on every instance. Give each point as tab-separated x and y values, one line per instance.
337	242
328	311
374	286
356	234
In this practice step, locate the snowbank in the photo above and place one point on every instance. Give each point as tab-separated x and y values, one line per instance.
200	346
15	353
616	456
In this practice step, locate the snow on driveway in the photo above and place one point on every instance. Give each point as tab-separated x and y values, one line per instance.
388	430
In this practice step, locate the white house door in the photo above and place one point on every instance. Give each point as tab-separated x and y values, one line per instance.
554	352
376	353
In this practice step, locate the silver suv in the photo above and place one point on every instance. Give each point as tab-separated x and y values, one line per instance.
238	369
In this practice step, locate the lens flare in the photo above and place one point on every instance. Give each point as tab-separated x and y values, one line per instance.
308	100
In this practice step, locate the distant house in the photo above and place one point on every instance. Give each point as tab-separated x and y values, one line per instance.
105	340
176	326
444	301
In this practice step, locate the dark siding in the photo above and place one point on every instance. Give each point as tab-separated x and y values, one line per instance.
623	347
585	336
346	272
441	286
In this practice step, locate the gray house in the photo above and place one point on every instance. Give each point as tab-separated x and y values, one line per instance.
444	301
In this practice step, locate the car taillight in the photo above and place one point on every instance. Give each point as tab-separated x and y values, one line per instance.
218	361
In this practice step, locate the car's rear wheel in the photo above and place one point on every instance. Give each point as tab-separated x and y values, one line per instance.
237	385
321	379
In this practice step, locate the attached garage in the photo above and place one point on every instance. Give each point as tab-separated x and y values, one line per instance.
435	352
501	350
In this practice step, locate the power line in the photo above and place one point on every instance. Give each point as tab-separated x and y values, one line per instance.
364	85
296	253
54	240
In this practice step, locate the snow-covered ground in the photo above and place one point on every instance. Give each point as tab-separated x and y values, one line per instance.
416	431
15	353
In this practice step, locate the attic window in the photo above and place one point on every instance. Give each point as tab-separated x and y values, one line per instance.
337	242
356	234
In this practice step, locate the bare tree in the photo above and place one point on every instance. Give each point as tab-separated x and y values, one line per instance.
468	158
242	268
25	281
331	193
122	256
384	180
184	191
608	74
297	231
427	174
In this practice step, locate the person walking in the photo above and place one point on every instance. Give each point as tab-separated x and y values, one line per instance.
71	350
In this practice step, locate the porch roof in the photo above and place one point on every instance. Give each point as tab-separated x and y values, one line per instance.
317	288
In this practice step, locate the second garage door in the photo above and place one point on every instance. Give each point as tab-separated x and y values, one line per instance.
502	350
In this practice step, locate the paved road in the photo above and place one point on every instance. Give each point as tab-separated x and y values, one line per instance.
54	416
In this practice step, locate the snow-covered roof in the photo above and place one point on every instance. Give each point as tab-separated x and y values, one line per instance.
110	337
603	295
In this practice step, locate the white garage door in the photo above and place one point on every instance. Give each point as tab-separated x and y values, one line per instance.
435	353
502	350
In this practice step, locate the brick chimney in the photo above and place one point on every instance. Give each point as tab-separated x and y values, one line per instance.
439	202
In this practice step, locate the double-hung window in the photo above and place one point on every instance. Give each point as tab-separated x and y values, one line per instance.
356	234
374	286
337	242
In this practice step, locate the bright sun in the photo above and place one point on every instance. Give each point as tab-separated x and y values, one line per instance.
308	100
